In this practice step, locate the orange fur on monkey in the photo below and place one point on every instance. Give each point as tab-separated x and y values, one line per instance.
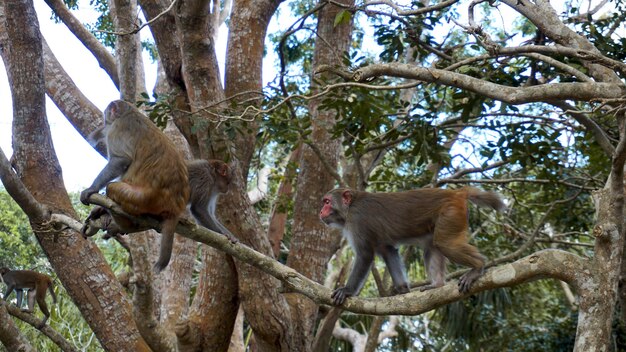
153	172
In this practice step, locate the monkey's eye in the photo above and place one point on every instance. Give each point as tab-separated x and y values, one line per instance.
326	201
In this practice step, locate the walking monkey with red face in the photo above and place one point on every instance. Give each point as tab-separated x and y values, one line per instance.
435	219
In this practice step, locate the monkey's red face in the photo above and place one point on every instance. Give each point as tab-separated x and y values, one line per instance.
327	208
329	214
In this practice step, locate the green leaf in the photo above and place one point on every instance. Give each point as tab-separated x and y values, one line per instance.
342	17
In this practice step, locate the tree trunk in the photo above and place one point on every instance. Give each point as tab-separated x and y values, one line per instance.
313	243
128	49
244	62
78	263
10	336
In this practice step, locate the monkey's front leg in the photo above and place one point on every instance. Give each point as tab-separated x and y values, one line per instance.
361	268
435	264
394	263
114	168
202	215
10	288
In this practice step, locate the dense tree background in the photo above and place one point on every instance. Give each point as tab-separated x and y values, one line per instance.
525	98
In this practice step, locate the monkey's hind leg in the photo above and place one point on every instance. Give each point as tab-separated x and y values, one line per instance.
133	199
467	255
98	219
450	237
40	293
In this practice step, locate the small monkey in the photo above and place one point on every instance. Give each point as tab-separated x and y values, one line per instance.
36	283
207	180
152	171
435	219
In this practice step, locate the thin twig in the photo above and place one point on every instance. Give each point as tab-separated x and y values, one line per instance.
139	28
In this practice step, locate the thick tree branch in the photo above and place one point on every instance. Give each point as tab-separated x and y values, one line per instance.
99	51
75	106
18	191
511	95
10	336
545	54
49	332
550	263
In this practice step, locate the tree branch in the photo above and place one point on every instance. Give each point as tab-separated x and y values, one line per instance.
517	179
19	193
324	162
99	51
550	263
144	25
464	172
75	106
440	6
590	125
512	95
49	332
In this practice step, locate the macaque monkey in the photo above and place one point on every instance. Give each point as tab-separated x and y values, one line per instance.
36	283
207	180
153	175
435	219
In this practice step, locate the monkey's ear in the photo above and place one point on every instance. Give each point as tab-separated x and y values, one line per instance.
346	197
223	169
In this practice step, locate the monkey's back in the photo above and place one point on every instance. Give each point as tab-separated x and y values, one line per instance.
27	278
157	168
402	216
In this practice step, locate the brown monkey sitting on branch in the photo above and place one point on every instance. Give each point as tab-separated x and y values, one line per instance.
153	172
207	180
36	283
435	219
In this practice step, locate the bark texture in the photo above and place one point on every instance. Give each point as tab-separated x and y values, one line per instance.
313	243
77	262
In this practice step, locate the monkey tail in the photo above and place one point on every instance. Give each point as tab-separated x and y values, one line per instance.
487	199
168	226
51	290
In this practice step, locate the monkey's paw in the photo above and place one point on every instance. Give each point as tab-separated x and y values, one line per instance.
84	195
339	295
466	281
401	289
232	238
431	286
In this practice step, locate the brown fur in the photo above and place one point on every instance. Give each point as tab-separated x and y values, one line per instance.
154	177
436	219
207	180
36	283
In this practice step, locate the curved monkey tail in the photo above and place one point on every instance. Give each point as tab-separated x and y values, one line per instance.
168	226
486	199
51	290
